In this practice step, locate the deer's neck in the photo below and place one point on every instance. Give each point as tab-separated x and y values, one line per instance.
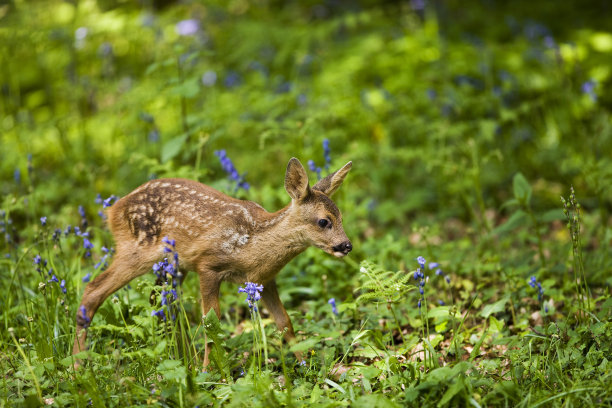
276	241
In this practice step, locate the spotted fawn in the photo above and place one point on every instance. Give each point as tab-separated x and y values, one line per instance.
219	237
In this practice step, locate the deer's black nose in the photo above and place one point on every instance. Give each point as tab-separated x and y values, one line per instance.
344	247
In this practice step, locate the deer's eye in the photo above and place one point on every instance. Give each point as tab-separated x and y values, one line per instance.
323	223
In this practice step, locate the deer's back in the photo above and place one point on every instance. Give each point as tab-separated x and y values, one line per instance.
180	209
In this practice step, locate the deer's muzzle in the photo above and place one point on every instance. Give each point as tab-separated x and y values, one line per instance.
343	248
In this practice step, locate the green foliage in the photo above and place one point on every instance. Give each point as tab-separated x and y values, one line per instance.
463	137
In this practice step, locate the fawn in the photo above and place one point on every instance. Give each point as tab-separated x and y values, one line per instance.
219	237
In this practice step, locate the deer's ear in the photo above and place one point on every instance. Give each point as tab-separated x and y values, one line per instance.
296	180
331	183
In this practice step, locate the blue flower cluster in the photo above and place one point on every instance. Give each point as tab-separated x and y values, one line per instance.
419	276
168	274
41	264
327	155
533	282
253	292
83	315
83	217
332	302
228	167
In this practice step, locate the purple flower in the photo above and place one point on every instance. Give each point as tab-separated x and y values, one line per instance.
588	88
313	167
169	241
81	211
326	153
332	302
37	259
232	79
159	313
83	316
187	27
17	176
98	199
87	244
253	292
533	282
228	167
54	279
109	201
43	221
87	277
63	285
421	261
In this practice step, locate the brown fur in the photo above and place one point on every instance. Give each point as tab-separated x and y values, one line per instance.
219	237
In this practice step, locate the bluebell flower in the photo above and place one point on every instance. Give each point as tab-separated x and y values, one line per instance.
63	285
326	153
17	176
533	282
303	363
67	230
87	277
332	302
109	201
441	302
228	167
56	234
187	27
253	292
421	261
232	79
159	313
169	241
98	199
43	221
87	244
313	167
588	88
37	259
54	279
81	211
83	315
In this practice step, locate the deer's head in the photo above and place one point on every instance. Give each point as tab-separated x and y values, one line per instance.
314	214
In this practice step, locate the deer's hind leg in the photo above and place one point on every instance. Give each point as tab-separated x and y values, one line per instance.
123	269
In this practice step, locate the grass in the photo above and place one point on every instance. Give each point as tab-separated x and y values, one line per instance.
463	137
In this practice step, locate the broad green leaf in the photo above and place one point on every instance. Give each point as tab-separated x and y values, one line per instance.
307	344
518	219
496	307
522	189
172	147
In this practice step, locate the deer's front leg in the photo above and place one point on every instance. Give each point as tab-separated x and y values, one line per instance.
209	290
279	314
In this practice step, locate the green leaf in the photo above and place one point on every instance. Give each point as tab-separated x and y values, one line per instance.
307	344
552	215
335	385
172	370
522	189
496	307
172	147
516	220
